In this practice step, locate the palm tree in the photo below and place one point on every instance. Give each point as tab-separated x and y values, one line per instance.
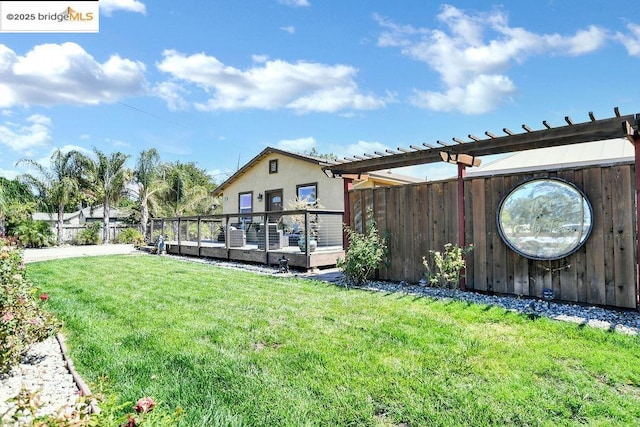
188	191
148	180
108	176
58	184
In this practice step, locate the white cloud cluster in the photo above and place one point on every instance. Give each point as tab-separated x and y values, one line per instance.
22	137
473	53
631	42
72	76
275	84
109	6
295	3
298	144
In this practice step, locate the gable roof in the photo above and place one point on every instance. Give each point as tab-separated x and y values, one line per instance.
386	176
264	153
566	156
49	216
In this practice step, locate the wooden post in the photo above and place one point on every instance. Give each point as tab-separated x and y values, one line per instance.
636	146
347	184
199	234
461	230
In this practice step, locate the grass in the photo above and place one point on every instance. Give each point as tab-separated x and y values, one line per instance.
236	348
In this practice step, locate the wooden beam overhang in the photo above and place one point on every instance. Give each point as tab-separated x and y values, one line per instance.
572	133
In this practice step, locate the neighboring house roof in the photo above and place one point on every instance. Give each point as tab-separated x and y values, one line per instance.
384	177
46	216
96	212
86	213
605	152
391	178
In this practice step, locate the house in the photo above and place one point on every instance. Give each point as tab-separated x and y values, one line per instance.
274	179
610	151
73	221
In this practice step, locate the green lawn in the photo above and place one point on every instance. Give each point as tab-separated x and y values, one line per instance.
236	348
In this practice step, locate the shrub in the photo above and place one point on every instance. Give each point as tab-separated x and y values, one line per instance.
90	235
445	268
23	321
130	235
34	234
366	252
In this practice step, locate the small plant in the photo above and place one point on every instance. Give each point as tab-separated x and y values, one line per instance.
23	321
90	235
445	268
130	235
366	252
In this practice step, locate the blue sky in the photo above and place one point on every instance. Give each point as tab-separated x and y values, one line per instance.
215	82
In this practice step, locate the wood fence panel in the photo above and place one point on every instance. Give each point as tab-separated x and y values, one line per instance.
380	216
498	248
624	248
468	214
595	274
479	278
422	217
607	230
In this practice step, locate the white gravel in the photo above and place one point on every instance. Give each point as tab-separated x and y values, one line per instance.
43	371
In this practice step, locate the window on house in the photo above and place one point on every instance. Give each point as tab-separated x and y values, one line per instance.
245	205
307	192
273	166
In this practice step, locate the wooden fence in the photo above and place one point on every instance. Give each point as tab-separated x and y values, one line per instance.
419	217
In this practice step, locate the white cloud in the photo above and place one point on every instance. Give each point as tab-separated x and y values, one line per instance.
171	93
260	59
301	86
21	137
290	29
358	149
9	174
109	6
482	95
72	76
630	41
295	3
297	145
473	52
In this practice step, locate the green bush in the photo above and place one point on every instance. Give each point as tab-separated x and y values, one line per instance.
90	235
130	235
34	234
366	252
23	321
445	268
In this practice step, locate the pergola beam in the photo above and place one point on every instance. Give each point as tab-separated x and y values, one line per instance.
575	133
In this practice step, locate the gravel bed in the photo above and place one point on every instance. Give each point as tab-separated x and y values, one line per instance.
44	371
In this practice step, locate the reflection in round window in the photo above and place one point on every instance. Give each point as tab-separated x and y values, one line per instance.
545	219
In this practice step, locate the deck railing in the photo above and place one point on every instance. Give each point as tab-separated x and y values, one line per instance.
308	230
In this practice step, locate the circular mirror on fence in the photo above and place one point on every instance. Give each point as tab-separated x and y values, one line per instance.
545	219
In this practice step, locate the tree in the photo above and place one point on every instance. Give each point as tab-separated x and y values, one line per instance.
188	190
16	203
148	181
57	185
107	175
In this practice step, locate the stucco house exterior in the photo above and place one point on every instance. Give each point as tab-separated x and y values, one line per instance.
275	179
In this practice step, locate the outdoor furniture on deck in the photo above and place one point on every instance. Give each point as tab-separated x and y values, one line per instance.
237	238
277	240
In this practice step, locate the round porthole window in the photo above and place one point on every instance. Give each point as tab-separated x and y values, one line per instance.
545	219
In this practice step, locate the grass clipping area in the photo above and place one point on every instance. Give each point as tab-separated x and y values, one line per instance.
237	348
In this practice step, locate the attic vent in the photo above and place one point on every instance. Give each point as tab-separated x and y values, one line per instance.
273	166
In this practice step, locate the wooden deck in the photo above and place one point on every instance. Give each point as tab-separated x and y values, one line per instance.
321	257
